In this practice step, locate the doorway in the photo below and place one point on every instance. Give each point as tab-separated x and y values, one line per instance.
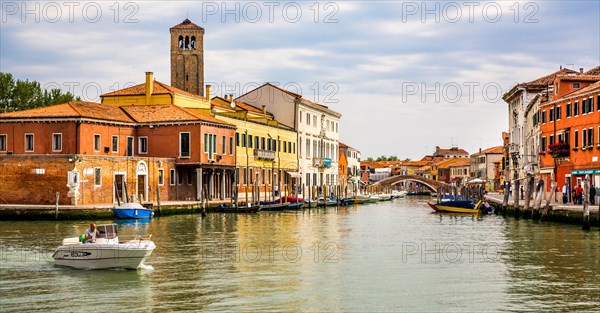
141	190
119	188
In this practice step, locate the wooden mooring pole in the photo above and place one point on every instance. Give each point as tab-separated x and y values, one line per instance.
56	207
537	203
549	198
586	209
528	194
158	201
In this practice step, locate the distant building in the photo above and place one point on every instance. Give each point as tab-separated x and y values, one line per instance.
484	166
453	152
350	178
318	131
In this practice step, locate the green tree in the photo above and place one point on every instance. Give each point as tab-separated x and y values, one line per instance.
392	158
16	95
369	159
381	158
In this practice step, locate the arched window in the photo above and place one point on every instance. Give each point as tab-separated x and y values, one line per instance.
187	42
180	42
193	44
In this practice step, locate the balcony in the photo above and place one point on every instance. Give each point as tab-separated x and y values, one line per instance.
264	154
321	162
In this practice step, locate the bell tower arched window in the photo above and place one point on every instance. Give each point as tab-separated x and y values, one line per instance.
180	42
187	42
193	43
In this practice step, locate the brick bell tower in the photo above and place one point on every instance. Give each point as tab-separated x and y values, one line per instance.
187	57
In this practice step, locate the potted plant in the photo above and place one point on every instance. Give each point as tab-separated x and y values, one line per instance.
559	150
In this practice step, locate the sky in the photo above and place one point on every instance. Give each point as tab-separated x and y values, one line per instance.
406	76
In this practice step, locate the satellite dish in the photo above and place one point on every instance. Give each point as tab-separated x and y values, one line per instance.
232	105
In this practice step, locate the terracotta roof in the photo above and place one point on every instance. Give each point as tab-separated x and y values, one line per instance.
249	108
126	114
157	89
221	103
447	162
187	24
548	79
75	109
461	162
415	163
451	151
594	71
492	150
162	113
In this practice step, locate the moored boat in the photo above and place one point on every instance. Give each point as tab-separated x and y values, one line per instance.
240	209
273	205
460	206
295	205
132	210
373	199
311	203
360	199
330	201
105	252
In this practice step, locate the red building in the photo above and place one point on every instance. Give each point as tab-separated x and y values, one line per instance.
92	153
570	131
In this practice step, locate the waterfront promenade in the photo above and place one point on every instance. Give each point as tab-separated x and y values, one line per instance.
559	212
66	212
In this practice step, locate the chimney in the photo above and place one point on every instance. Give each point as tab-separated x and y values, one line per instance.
207	92
264	108
149	86
231	97
581	70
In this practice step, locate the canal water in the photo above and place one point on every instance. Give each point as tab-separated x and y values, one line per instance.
388	256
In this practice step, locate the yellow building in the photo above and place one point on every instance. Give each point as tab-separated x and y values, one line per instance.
267	156
154	92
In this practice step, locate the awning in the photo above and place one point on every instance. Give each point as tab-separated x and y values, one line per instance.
294	174
455	179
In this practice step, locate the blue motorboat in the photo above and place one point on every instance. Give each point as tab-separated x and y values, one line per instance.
295	205
132	210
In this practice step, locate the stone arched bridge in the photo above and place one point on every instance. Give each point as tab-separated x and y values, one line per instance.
429	183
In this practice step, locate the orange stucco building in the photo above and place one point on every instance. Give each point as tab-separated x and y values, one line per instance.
92	153
570	131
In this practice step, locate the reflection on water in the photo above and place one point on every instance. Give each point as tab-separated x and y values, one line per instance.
393	256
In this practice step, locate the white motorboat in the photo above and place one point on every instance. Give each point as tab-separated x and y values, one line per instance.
105	252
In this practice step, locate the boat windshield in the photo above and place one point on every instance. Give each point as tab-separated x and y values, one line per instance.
107	231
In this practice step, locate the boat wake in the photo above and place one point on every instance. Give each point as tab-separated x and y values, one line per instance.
145	267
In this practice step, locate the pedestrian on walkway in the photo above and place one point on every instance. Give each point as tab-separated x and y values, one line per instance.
579	194
522	193
565	190
592	195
